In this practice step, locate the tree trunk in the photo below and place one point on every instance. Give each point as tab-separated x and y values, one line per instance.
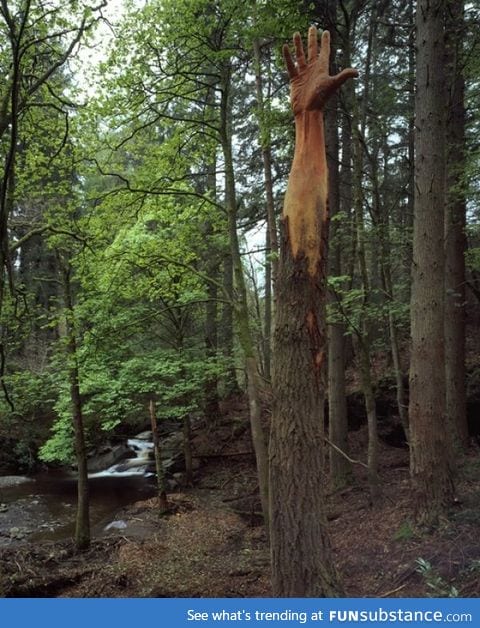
429	460
411	146
267	326
212	402
301	552
340	468
302	563
383	227
226	336
399	379
455	238
362	350
187	450
212	407
361	335
82	526
161	481
241	303
271	261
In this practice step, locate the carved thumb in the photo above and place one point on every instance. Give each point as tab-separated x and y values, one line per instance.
340	78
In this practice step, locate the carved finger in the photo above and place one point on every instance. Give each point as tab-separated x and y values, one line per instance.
291	69
297	40
325	52
312	44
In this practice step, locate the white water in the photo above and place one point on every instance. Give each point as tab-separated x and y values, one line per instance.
138	465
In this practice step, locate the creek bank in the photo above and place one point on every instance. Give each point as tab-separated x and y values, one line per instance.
13	480
43	507
204	549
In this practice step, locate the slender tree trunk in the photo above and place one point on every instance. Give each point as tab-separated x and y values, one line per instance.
362	333
363	330
265	143
383	226
402	404
241	303
408	226
362	350
212	268
231	384
212	402
429	461
340	468
267	330
271	262
212	407
187	450
82	527
161	481
455	238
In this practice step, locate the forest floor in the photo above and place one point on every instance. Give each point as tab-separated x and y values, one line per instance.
213	544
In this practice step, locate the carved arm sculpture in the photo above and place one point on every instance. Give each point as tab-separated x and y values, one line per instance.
305	205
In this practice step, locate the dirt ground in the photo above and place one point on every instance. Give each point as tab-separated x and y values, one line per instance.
213	544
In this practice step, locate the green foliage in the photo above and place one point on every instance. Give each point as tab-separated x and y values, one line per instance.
31	392
434	581
60	446
353	307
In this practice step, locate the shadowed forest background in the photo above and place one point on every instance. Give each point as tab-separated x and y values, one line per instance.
144	161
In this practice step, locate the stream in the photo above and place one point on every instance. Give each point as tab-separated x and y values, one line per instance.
44	506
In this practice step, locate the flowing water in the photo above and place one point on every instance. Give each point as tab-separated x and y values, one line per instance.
44	506
138	465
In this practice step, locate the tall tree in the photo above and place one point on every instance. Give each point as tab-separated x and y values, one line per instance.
301	557
36	40
82	525
429	462
455	237
340	468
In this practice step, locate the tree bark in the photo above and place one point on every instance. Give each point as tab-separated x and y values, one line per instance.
429	460
161	481
301	552
82	526
187	450
362	350
271	254
455	238
340	468
212	402
226	335
268	316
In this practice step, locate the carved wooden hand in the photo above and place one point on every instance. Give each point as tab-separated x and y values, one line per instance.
311	84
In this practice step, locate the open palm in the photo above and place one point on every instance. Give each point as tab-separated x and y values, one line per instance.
311	84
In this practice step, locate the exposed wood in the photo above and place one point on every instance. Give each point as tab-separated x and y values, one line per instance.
302	563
